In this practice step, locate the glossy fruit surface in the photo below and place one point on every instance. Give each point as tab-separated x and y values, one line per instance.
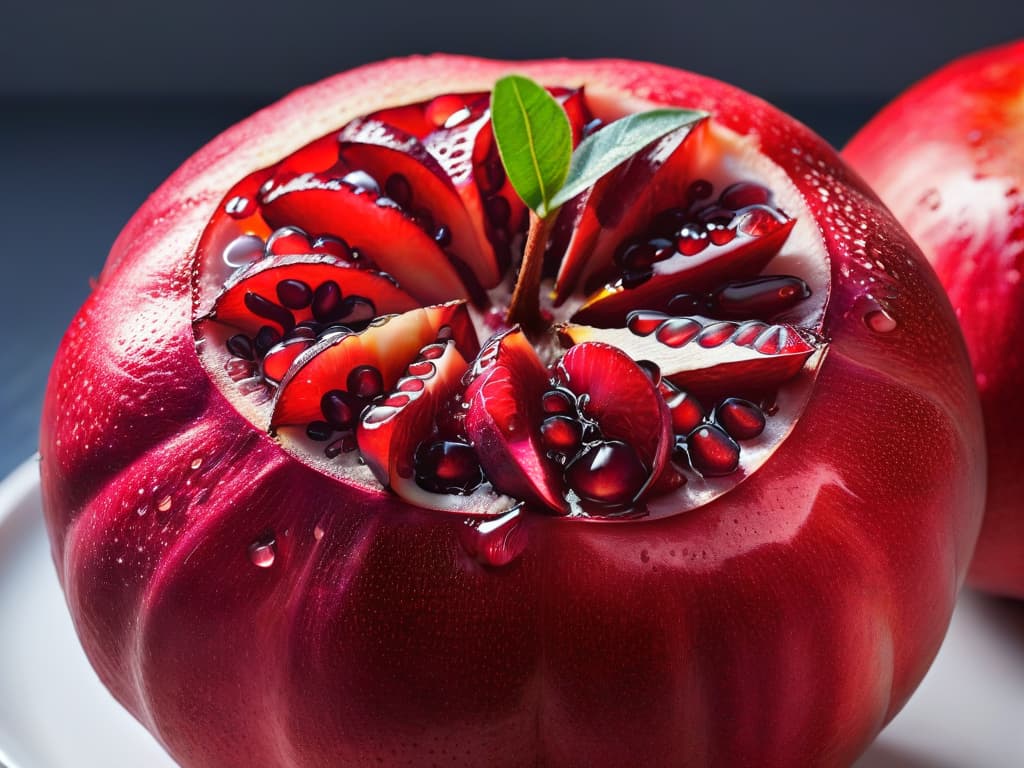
713	591
947	157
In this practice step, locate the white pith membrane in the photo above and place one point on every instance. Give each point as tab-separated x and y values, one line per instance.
725	158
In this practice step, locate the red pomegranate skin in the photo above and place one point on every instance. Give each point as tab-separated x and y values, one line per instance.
782	624
947	157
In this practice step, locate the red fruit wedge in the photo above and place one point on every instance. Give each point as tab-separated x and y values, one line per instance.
503	421
627	407
390	431
412	177
470	158
320	204
707	357
622	203
742	257
384	349
286	290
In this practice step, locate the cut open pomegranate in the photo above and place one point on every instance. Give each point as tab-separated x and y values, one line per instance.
711	304
708	504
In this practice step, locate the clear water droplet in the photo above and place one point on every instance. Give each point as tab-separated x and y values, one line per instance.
196	462
263	552
164	505
243	250
880	321
499	541
239	207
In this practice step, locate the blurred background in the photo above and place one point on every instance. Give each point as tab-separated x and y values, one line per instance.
100	101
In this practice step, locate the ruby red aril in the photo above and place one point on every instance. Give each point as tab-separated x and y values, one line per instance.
688	511
947	157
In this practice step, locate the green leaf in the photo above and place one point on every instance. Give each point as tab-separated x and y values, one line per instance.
617	142
534	140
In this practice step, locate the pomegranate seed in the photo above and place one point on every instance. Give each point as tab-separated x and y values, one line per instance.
266	337
558	401
716	334
687	412
712	452
740	418
748	333
763	297
607	473
432	351
758	222
635	256
294	294
561	433
773	340
268	310
720	235
240	345
327	306
397	400
423	369
447	466
644	323
366	382
678	332
340	409
692	239
410	384
320	431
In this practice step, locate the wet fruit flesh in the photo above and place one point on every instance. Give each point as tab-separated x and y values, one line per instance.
664	373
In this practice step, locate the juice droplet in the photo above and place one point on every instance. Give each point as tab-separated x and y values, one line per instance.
263	553
196	463
880	321
499	541
239	207
164	505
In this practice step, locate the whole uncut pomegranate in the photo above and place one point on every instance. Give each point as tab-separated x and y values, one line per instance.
947	157
317	499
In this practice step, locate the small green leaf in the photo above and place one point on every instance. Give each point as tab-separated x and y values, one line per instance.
534	139
611	146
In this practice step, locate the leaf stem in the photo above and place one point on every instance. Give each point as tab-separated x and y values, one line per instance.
525	305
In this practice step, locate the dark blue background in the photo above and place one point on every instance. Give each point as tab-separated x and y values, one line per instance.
100	101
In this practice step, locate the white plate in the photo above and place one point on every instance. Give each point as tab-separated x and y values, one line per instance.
54	713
